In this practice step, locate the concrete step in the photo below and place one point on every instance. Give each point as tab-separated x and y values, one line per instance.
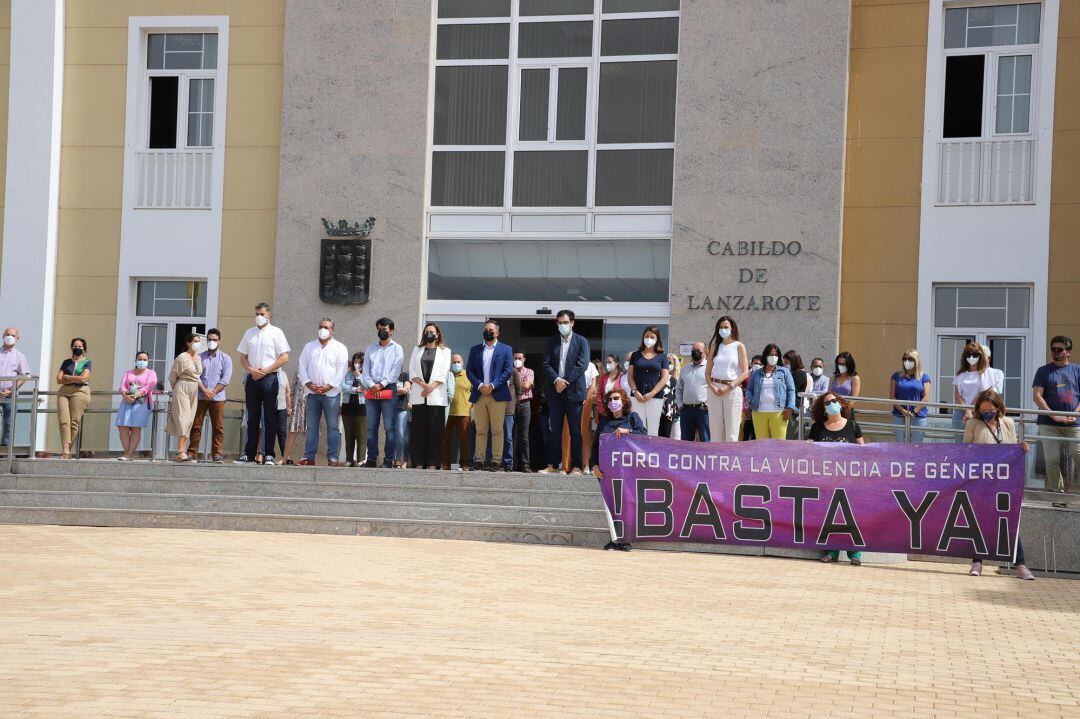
367	509
295	486
490	532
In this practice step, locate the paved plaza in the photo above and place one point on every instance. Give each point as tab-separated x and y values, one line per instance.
99	622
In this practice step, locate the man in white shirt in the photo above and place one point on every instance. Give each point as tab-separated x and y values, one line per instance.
323	364
692	394
263	351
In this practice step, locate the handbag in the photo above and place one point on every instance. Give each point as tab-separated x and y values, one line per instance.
381	394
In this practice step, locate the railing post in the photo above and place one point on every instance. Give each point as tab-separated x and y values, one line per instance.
34	419
13	409
153	431
907	428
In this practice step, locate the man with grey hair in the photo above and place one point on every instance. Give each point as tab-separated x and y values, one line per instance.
323	364
263	351
13	363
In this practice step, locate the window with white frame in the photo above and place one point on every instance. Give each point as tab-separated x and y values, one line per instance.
988	106
554	103
181	70
165	312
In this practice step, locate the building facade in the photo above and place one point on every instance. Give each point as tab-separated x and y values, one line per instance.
835	174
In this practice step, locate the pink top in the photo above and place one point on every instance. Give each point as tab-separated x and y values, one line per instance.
146	383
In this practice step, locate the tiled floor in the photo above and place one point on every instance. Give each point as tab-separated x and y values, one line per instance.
166	623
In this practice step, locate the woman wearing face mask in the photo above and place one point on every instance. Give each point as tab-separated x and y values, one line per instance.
971	378
845	380
913	385
73	394
804	383
429	366
619	421
771	392
670	426
727	368
295	421
747	421
184	380
991	426
833	423
593	374
648	378
610	379
136	404
353	417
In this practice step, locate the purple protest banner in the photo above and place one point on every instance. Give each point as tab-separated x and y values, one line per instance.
948	499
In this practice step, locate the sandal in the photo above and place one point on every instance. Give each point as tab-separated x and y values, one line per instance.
183	458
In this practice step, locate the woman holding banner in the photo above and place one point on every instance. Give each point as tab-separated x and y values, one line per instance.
991	426
617	419
833	423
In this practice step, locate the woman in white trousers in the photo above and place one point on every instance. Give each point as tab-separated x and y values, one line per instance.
648	378
727	368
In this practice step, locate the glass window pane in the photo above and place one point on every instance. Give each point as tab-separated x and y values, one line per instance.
637	102
981	297
1021	114
534	105
1019	298
210	51
550	179
470	105
640	5
1028	32
1022	84
651	36
183	42
1004	121
474	8
945	307
155	52
555	39
963	96
955	27
570	111
473	42
626	178
467	179
980	37
552	270
556	7
978	318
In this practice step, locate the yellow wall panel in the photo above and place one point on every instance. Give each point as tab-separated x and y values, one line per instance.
887	303
86	295
90	177
88	243
889	25
1067	93
241	296
241	231
877	349
257	45
1065	180
114	13
94	106
883	173
251	178
254	106
96	45
880	244
883	82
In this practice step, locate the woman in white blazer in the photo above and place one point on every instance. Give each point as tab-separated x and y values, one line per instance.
429	367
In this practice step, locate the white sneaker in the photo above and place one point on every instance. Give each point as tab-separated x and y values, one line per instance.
269	462
976	569
550	470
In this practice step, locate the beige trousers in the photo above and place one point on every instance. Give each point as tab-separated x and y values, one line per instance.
71	402
489	416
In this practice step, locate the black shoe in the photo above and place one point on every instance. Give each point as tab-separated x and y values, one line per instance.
527	470
625	547
506	468
479	467
610	546
492	467
370	464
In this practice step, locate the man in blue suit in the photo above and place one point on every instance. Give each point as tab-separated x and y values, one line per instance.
489	367
566	356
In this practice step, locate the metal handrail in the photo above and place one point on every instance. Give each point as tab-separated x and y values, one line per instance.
13	411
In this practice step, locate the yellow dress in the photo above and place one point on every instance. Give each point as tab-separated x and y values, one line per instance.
184	380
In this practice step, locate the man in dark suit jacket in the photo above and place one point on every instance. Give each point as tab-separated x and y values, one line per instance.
566	356
488	368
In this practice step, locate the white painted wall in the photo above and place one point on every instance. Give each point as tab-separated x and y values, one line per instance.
32	194
986	244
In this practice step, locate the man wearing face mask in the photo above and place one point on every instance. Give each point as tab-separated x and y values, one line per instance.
215	377
821	380
323	364
489	367
566	356
12	363
263	351
382	371
692	394
457	422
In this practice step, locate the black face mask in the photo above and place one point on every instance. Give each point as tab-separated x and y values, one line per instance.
696	355
429	338
384	335
77	351
489	335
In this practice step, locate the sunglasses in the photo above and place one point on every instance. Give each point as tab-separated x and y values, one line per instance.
976	355
1058	350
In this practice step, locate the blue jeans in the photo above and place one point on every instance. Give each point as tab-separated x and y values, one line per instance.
5	408
387	410
316	406
508	443
401	449
694	421
916	435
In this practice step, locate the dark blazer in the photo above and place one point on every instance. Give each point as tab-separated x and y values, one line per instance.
577	359
502	364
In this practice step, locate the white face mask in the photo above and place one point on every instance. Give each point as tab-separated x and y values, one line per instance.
725	333
212	344
649	342
198	346
772	360
357	366
972	361
261	320
909	365
519	363
610	366
841	368
324	334
817	371
9	340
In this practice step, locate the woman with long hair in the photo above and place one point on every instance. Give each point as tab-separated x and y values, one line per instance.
429	368
771	392
619	420
648	378
726	368
833	422
912	384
